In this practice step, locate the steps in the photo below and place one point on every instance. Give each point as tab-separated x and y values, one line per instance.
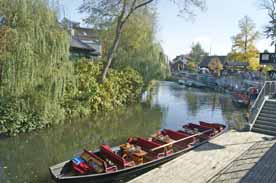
266	121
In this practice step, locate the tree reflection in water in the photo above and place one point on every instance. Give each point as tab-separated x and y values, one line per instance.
28	156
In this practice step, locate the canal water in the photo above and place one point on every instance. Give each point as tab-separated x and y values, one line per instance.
26	158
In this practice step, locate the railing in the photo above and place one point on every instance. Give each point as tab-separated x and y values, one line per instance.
268	90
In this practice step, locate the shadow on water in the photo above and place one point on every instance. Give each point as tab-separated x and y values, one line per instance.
28	156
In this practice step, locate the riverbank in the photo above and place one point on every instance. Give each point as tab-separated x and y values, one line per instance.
226	83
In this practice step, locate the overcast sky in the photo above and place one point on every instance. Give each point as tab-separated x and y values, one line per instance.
213	28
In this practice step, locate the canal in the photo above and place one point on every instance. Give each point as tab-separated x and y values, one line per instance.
26	158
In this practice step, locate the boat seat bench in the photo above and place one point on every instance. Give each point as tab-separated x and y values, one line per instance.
211	131
97	163
116	159
214	125
147	145
176	135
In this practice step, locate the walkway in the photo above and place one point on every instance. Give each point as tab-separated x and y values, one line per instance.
257	164
231	157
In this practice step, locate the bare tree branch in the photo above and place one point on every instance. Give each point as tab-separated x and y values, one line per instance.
270	29
143	4
106	12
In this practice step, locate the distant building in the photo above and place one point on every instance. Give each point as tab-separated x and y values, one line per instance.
206	61
224	60
179	63
84	41
235	65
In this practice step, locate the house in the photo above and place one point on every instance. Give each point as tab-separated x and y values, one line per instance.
206	61
235	65
80	49
84	41
227	64
179	63
272	75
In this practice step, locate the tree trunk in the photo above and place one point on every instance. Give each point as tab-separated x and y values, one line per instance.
112	50
120	23
1	73
275	47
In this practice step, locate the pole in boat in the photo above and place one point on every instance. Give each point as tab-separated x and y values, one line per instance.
165	145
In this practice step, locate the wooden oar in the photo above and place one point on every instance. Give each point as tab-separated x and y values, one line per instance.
165	145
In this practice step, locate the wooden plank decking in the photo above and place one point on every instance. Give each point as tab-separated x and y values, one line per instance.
232	157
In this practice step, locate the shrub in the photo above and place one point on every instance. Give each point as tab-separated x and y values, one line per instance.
120	88
14	118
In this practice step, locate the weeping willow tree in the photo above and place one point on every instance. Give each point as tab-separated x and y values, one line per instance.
34	66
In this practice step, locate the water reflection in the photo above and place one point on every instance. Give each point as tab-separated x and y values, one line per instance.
180	105
26	158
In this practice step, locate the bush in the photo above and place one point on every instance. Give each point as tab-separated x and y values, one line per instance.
191	66
14	118
83	97
120	88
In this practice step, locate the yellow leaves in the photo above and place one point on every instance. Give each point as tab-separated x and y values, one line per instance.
6	35
243	48
254	63
251	56
191	66
215	65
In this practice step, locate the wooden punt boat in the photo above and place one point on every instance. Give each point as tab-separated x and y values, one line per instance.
123	163
240	99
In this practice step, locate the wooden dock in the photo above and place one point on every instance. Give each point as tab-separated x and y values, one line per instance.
232	157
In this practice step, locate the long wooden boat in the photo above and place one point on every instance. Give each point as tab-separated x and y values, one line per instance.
135	157
240	99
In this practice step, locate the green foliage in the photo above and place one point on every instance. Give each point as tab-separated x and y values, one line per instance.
139	48
267	68
197	53
14	118
39	86
34	66
121	87
244	49
107	14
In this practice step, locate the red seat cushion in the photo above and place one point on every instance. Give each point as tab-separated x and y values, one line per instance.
93	160
118	160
